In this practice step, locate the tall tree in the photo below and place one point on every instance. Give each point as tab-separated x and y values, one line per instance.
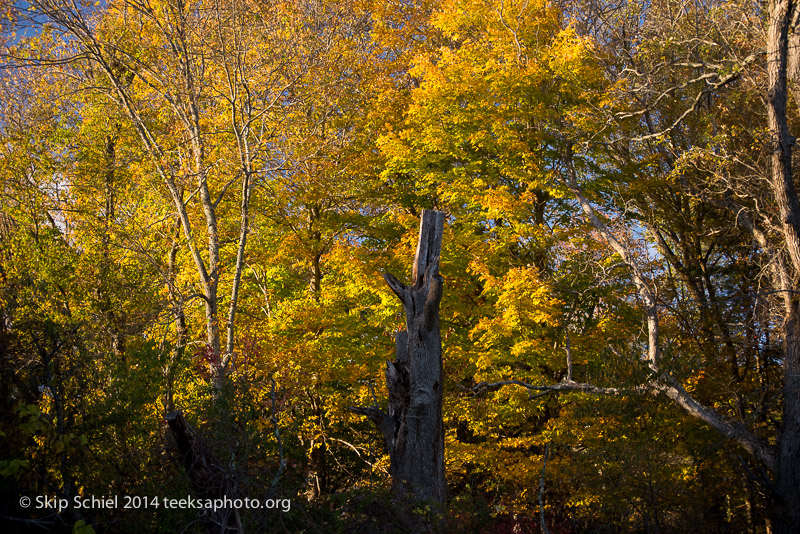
176	72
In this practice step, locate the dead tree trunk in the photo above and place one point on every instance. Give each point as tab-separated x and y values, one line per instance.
413	426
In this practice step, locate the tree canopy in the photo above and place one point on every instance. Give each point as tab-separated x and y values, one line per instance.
199	198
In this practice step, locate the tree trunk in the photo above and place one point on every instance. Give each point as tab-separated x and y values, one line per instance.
786	508
786	512
413	426
104	289
207	475
181	330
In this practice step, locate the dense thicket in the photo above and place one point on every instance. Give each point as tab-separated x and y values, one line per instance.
198	199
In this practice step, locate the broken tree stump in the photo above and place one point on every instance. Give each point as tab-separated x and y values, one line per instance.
413	427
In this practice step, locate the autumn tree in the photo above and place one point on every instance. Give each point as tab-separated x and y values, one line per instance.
199	197
692	82
564	147
175	72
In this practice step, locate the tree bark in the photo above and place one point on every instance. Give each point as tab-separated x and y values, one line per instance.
104	288
207	475
413	426
786	511
181	330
